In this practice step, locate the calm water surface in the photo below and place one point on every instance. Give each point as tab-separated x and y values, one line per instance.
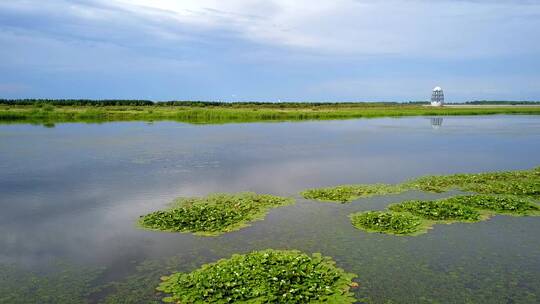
70	196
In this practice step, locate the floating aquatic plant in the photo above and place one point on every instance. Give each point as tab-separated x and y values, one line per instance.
214	214
439	210
268	276
387	222
524	183
414	216
499	204
348	193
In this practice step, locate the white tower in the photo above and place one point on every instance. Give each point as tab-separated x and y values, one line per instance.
437	97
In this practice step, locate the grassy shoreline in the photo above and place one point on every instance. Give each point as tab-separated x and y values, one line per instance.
216	114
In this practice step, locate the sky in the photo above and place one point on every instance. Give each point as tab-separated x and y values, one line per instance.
270	50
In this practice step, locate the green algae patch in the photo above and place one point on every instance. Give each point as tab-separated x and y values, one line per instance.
268	276
67	284
140	285
349	193
438	210
498	204
389	222
214	214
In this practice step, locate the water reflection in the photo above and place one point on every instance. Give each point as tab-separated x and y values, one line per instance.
436	122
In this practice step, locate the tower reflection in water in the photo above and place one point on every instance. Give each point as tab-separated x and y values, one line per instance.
436	122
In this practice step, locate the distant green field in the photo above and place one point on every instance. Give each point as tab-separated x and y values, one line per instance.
209	113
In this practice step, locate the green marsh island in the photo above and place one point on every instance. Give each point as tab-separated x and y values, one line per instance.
214	214
510	192
523	183
387	222
267	276
277	276
417	216
349	193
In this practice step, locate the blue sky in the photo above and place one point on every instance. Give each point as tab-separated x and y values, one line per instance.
270	50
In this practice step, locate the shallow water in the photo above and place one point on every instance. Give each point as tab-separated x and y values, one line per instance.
70	197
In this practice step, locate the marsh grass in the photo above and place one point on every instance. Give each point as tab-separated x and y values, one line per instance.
268	276
227	113
214	214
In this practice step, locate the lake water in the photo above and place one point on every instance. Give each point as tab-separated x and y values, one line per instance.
70	196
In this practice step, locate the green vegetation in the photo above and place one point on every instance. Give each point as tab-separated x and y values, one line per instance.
499	204
416	216
68	283
520	183
214	214
57	111
387	222
140	285
509	192
348	193
268	276
525	183
439	210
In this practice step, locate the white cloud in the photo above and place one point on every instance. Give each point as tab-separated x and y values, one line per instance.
443	28
432	28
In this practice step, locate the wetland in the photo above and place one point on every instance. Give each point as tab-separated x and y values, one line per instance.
49	112
73	195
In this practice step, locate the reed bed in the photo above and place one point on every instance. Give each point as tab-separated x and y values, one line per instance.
36	113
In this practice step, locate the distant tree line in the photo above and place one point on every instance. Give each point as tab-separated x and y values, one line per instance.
190	103
241	104
77	102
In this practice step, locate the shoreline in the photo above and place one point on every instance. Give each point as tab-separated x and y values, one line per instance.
47	113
